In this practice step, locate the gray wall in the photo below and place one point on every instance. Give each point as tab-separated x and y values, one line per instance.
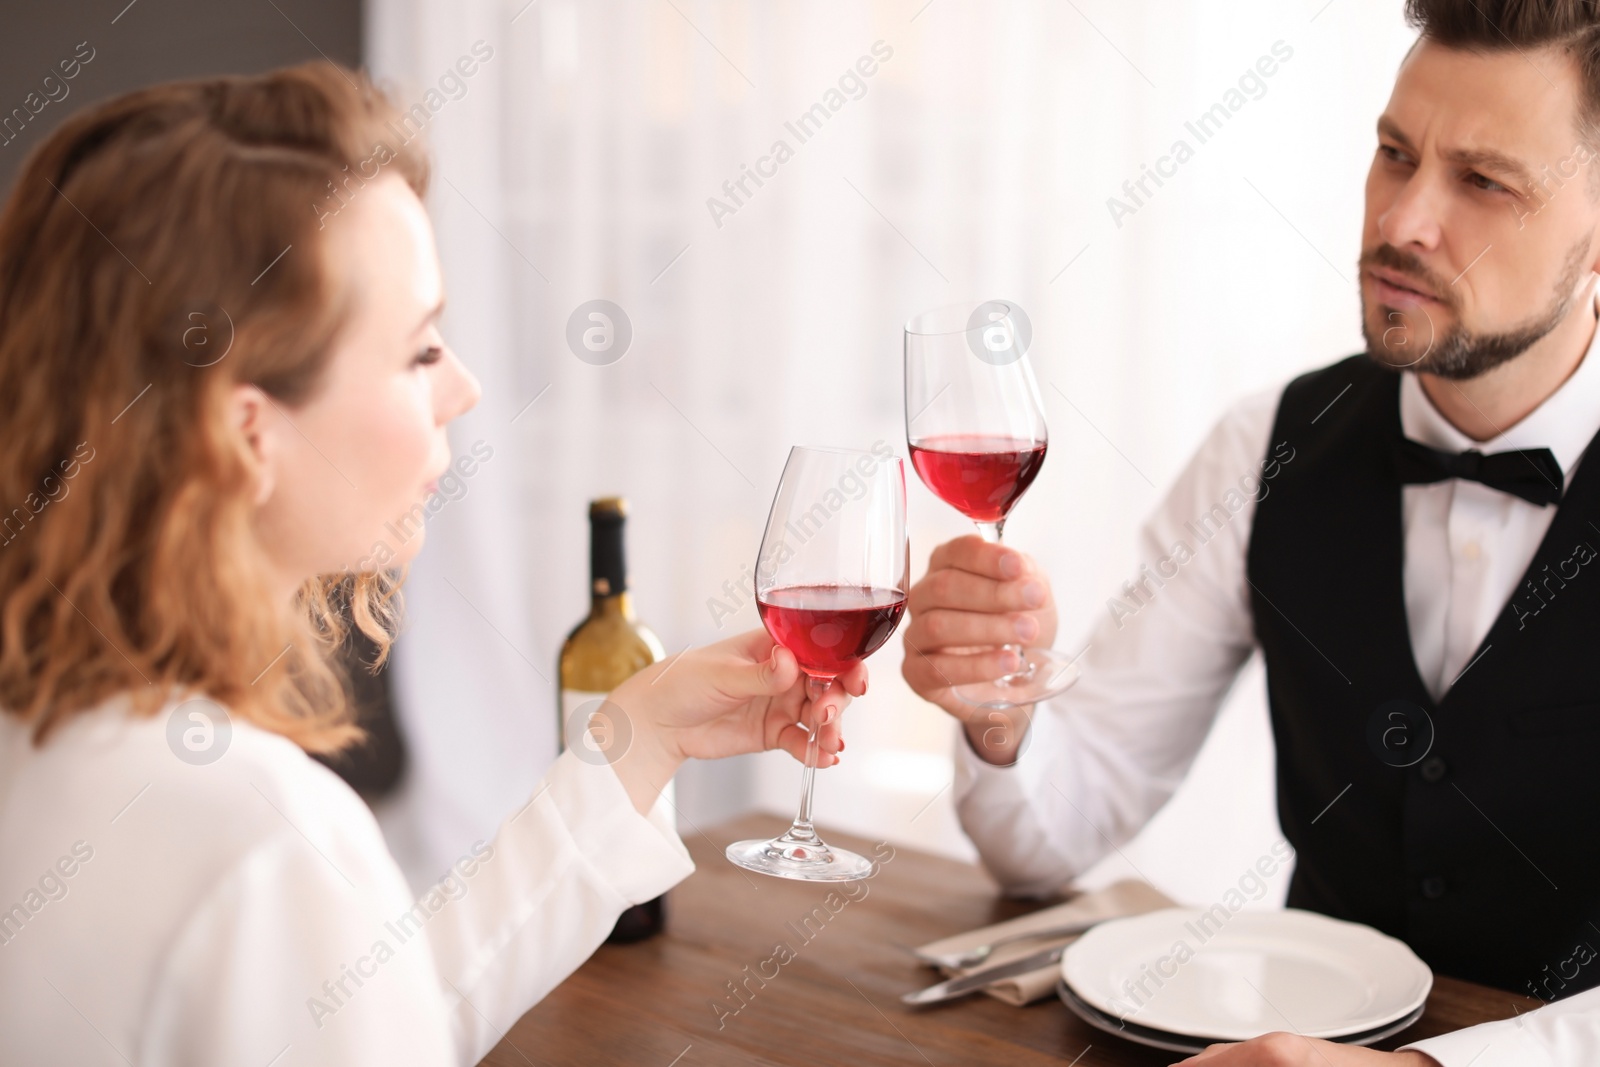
151	41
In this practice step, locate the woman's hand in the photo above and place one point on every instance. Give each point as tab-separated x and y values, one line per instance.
745	694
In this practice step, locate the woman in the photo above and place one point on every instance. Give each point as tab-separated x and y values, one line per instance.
221	376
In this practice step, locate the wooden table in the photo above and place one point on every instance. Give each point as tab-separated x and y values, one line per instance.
837	1000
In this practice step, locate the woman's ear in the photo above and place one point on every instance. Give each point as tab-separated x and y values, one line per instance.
255	418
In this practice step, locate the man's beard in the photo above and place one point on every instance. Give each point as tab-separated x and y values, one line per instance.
1460	354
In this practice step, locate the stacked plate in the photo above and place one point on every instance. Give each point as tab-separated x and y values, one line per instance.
1182	978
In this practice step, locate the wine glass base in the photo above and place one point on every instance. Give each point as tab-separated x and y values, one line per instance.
1048	673
802	860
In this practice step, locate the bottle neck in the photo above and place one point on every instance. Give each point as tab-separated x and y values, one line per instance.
608	569
611	606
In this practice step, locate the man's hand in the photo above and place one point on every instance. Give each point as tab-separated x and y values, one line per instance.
1292	1050
975	598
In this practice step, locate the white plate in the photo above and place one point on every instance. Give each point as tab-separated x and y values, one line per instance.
1234	977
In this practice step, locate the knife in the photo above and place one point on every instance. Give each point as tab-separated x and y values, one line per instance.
961	961
968	983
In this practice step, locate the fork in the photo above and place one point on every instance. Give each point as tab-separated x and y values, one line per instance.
974	956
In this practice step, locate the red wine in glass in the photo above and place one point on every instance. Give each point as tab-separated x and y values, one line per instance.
979	476
831	583
830	627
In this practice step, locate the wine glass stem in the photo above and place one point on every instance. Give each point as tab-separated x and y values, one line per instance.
802	828
990	532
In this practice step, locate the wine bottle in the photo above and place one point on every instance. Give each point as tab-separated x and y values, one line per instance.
602	652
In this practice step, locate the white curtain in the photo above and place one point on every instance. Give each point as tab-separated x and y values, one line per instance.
604	151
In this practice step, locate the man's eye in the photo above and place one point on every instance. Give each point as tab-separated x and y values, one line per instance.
428	356
1488	185
1392	154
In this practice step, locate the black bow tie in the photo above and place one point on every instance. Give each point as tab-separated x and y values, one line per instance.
1530	473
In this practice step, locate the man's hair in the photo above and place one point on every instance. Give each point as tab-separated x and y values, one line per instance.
1506	25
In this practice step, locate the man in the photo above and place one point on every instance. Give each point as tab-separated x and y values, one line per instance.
1429	618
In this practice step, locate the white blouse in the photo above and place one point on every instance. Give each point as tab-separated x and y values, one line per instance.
155	909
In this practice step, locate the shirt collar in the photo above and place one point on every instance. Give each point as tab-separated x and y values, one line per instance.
1565	422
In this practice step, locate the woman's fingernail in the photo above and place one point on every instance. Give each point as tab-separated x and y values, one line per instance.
1010	565
841	744
829	713
1033	594
1027	628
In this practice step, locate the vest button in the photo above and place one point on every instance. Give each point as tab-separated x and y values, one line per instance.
1433	887
1433	770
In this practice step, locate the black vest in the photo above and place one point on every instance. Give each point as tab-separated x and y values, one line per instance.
1479	845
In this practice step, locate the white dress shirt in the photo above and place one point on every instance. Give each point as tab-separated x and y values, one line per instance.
1102	758
246	912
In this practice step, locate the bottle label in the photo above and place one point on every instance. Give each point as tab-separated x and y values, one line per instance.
611	730
577	707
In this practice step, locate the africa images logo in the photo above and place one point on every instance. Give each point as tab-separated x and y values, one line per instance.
199	731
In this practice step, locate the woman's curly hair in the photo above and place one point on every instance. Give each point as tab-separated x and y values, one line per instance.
143	277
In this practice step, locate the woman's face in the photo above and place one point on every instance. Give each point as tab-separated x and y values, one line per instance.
347	474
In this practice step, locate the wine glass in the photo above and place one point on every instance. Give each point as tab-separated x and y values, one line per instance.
831	585
975	427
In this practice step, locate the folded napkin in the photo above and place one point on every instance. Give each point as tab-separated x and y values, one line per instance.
1127	897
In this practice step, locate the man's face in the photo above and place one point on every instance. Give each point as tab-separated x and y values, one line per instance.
1481	210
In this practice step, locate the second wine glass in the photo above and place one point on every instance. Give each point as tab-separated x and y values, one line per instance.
831	585
975	427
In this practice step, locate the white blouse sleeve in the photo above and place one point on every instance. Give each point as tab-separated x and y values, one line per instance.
1563	1034
311	949
563	869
